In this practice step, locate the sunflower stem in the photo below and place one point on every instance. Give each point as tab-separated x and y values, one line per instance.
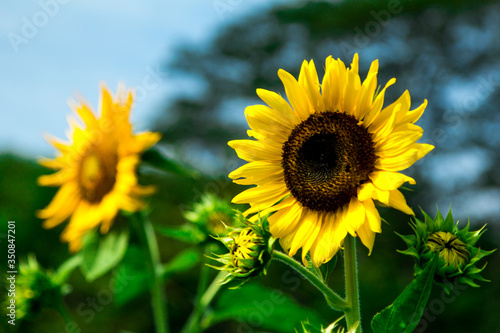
352	316
334	301
194	323
158	295
63	311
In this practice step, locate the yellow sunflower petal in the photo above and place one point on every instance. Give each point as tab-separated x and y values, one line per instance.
85	112
251	151
386	180
306	233
277	103
308	78
400	162
296	95
372	216
330	88
356	213
257	170
413	116
268	200
398	201
285	203
97	168
323	249
377	104
64	196
383	125
353	86
367	91
284	221
261	192
365	191
367	236
397	141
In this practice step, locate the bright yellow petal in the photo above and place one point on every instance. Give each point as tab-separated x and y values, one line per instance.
372	216
267	200
296	95
330	86
398	201
308	78
353	87
365	191
367	236
277	103
386	180
398	163
377	105
324	248
367	91
355	216
257	170
284	221
250	150
413	116
262	192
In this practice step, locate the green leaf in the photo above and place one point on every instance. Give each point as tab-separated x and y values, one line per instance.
404	314
66	268
182	262
101	254
187	233
135	274
158	160
258	308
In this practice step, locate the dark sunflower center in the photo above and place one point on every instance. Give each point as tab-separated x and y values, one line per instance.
326	158
97	175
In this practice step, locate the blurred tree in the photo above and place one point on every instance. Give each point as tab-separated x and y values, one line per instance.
447	52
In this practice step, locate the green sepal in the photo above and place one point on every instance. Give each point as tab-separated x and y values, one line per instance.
102	253
404	314
410	252
410	240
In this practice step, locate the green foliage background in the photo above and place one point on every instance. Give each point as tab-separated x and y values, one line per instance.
426	45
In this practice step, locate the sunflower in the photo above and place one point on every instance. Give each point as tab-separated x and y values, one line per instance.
96	169
321	160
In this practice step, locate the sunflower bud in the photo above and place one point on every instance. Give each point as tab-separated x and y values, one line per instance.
35	289
455	248
211	215
250	249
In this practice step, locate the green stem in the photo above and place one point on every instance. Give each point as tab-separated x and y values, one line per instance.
158	295
351	284
70	324
335	301
193	325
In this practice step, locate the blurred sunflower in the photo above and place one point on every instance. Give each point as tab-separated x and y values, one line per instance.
321	161
96	169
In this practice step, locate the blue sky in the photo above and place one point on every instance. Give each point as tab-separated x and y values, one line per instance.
51	50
